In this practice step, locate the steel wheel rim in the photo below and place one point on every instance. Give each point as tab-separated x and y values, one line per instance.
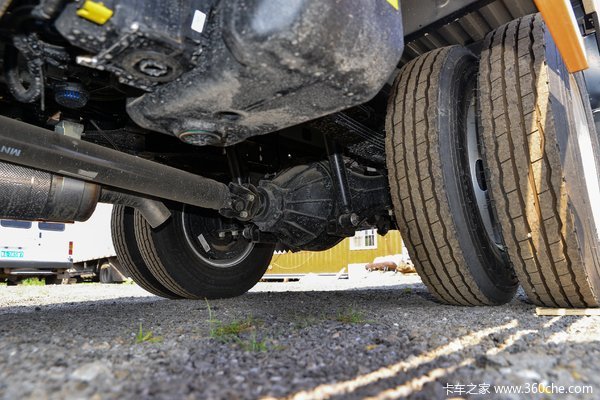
477	178
217	263
586	151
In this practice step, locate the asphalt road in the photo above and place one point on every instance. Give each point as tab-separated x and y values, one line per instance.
381	337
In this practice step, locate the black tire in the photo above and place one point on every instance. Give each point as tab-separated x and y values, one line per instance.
432	185
544	182
52	280
12	281
176	256
105	273
128	254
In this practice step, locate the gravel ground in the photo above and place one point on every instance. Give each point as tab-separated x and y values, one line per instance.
379	337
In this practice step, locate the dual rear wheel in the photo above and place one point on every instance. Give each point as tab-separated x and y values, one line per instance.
436	177
493	166
195	254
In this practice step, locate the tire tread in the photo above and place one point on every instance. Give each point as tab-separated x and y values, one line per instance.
415	175
524	165
123	249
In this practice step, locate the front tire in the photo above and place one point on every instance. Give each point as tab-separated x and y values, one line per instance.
53	280
198	254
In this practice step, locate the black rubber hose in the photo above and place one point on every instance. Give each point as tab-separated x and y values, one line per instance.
13	77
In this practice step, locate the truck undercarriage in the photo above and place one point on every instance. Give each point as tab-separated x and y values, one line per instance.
221	129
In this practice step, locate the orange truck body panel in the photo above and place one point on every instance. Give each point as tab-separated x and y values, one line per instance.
561	22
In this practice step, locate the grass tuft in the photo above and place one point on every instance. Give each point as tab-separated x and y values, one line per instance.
33	282
351	316
235	328
252	343
243	333
146	337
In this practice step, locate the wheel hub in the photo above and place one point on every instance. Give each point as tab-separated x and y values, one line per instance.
204	235
477	176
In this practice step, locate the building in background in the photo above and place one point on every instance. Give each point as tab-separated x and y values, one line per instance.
359	249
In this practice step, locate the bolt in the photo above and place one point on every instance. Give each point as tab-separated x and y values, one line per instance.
354	219
250	197
221	235
244	214
239	205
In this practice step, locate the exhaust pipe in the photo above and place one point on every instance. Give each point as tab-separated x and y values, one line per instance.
31	194
34	147
81	174
154	211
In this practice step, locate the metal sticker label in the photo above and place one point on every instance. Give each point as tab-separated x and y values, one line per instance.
199	21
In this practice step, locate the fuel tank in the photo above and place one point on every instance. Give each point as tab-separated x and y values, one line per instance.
265	65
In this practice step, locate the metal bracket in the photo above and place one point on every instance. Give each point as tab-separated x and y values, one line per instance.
70	129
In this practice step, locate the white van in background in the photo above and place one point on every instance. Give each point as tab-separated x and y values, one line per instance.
59	252
34	249
93	251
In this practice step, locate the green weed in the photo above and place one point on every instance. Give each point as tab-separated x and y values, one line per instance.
243	333
351	316
33	282
146	337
